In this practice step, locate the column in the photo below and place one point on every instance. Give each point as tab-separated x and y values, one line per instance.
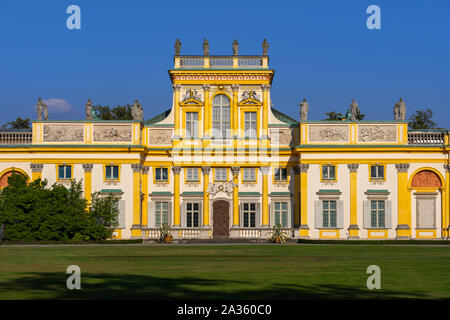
235	171
206	171
404	202
235	112
265	198
297	197
87	167
176	197
136	227
177	124
36	170
265	111
144	195
353	229
206	112
446	202
304	229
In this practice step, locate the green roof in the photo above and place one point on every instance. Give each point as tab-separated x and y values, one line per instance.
192	193
160	117
161	193
283	117
111	191
280	194
249	194
377	191
328	191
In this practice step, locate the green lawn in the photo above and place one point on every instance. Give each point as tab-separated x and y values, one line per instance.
225	272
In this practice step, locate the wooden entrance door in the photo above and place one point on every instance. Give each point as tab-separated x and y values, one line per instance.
221	219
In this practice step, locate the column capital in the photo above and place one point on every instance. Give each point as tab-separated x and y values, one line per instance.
176	170
36	167
447	167
206	170
206	87
265	87
176	87
87	167
303	167
235	170
265	170
145	169
402	167
296	170
353	167
136	167
235	87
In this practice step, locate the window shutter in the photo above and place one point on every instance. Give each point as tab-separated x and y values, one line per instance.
388	214
258	215
272	217
200	214
169	212
340	214
366	214
318	214
183	215
122	214
152	220
241	214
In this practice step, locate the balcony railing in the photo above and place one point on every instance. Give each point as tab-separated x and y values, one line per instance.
425	137
221	62
15	137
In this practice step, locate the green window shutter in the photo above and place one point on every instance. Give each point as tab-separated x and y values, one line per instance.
366	214
318	214
122	214
241	214
169	212
200	214
272	214
157	215
388	214
151	211
258	215
340	214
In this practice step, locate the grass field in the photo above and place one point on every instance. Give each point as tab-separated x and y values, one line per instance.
225	272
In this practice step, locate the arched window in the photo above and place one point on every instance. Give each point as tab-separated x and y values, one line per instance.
221	116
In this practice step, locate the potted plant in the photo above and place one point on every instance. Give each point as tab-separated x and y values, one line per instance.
277	234
164	234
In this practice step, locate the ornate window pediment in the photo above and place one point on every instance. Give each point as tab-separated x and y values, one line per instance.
191	98
250	98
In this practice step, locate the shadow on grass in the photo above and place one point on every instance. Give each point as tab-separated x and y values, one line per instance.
109	286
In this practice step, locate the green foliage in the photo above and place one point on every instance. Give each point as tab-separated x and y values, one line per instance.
19	123
334	116
117	113
32	212
421	119
164	232
278	234
103	216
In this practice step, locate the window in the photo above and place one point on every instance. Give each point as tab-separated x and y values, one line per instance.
111	172
192	214
281	213
329	213
328	172
220	174
192	124
249	214
377	172
250	124
377	213
249	175
281	174
161	174
192	175
64	172
161	213
220	116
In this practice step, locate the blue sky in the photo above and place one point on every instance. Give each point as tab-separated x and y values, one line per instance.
321	50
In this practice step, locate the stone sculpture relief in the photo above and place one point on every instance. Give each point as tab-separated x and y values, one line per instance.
226	187
249	94
281	136
374	133
112	133
61	133
191	93
426	179
160	137
328	133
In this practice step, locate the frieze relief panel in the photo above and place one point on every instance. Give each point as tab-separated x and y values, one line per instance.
282	137
377	133
160	136
63	133
112	133
328	133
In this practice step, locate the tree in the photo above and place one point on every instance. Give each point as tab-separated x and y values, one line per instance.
19	123
334	116
421	119
117	113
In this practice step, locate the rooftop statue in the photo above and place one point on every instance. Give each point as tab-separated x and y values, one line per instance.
137	111
177	47
304	108
265	46
235	48
205	47
42	108
88	109
354	110
400	108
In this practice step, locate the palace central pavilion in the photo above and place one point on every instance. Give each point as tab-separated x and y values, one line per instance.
223	163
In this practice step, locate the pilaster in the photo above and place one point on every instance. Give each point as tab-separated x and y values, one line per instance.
304	229
404	202
235	112
36	170
235	171
136	227
296	197
144	195
87	167
177	124
206	171
353	229
265	197
176	197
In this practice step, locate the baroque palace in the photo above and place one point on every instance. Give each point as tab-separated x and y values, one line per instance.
223	163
